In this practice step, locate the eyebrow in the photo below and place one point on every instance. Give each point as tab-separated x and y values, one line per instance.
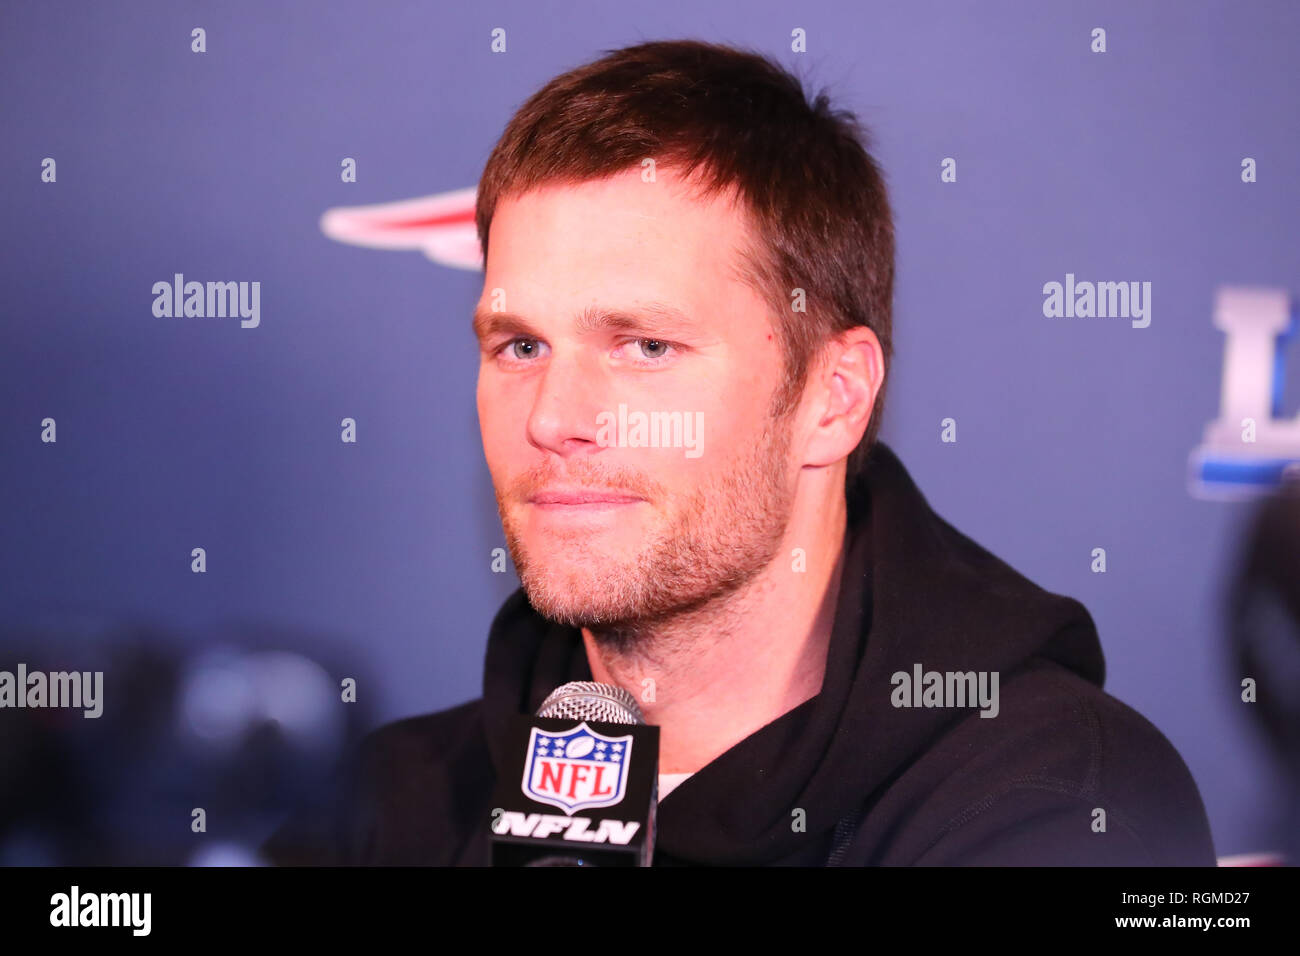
653	317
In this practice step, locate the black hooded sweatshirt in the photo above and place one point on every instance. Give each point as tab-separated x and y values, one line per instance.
1064	774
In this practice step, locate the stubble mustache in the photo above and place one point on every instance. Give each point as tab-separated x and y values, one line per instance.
541	477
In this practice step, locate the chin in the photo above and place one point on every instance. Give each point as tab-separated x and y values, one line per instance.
580	594
570	609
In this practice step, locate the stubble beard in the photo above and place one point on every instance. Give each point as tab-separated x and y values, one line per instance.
717	541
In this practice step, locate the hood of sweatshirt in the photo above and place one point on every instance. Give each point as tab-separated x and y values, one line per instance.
914	591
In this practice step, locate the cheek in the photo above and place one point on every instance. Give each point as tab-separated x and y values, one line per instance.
720	440
493	416
732	426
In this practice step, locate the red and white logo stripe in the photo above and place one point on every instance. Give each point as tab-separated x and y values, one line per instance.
442	226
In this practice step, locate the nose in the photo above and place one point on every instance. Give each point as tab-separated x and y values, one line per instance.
563	418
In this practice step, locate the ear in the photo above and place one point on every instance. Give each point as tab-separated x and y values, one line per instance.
844	386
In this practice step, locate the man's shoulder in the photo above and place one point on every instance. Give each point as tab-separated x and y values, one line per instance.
1067	769
407	794
430	757
1102	743
423	738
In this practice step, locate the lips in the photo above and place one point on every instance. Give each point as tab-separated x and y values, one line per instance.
582	496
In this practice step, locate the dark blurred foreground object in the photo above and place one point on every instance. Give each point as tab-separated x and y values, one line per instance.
1263	610
245	728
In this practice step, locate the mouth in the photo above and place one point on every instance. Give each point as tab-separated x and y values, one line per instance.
581	499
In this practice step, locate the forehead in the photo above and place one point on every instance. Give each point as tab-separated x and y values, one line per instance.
619	237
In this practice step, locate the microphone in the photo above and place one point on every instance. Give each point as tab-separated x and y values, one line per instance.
590	755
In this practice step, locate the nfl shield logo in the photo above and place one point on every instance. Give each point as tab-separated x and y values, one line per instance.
575	769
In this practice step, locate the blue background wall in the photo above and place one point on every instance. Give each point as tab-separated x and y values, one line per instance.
177	433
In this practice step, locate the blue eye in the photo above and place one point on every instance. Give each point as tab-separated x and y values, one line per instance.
520	350
653	348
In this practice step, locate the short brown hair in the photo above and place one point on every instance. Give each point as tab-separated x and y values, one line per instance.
814	194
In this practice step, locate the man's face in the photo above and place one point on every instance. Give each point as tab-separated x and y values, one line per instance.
604	303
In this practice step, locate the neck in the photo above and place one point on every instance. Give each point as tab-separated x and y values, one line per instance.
722	671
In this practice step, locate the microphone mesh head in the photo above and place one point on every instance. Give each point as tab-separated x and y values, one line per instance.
587	700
